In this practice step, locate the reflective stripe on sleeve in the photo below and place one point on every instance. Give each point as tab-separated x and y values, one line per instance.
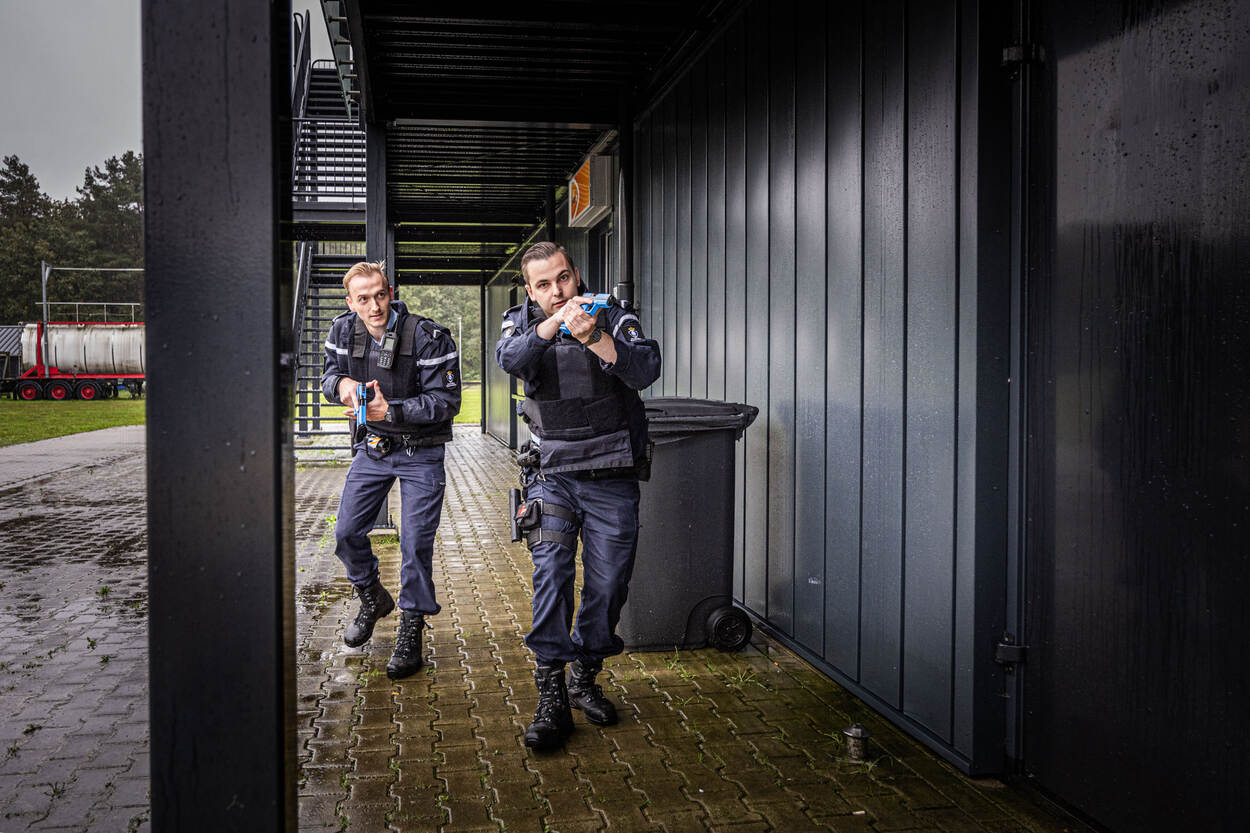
342	351
440	360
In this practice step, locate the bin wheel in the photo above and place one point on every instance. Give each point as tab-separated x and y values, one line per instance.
29	391
730	629
58	390
89	391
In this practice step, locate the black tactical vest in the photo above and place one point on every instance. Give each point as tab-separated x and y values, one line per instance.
401	381
579	413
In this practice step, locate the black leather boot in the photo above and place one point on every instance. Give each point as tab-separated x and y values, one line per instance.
586	695
407	659
375	603
553	722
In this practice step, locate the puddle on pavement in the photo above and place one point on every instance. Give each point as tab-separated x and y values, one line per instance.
316	596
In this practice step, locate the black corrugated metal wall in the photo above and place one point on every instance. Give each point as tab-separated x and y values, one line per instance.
809	239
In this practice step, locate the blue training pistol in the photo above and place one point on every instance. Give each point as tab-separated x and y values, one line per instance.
362	400
598	302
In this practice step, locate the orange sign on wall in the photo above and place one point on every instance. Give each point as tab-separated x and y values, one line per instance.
590	192
579	191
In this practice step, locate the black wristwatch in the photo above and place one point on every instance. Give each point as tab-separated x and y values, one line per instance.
594	336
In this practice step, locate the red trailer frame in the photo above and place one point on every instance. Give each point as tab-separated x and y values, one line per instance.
44	381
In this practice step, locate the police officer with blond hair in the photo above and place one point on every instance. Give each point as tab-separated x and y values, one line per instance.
411	371
589	447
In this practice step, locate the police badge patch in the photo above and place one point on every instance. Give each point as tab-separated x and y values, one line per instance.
631	332
449	380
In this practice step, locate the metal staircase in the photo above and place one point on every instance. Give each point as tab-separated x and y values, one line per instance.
329	146
328	180
320	428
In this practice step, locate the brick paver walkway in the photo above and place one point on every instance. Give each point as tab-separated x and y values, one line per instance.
708	741
74	657
746	742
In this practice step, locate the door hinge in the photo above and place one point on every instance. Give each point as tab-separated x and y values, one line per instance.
1008	653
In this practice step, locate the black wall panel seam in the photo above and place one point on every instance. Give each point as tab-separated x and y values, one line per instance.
957	108
902	578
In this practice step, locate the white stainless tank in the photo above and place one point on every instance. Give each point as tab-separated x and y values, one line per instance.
88	348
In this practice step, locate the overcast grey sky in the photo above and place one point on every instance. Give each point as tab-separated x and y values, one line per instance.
70	95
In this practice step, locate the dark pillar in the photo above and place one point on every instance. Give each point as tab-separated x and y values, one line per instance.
218	290
376	221
549	216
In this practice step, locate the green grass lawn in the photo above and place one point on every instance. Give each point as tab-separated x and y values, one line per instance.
24	422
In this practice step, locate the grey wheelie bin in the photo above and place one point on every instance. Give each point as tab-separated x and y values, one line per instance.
681	593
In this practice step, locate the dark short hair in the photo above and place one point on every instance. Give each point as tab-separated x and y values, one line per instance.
544	251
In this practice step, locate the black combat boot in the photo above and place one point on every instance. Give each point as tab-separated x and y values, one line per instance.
407	659
375	603
584	694
553	722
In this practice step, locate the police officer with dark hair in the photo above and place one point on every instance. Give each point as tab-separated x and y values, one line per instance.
589	446
412	394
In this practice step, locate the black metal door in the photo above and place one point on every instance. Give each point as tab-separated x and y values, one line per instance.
1136	430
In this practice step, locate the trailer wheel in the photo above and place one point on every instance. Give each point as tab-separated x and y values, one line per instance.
58	391
29	391
88	391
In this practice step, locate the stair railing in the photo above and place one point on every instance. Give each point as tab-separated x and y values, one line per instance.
303	278
301	79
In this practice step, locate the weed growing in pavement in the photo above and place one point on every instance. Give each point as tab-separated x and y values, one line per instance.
11	752
343	779
103	591
31	728
836	737
674	663
104	660
743	678
90	644
58	790
136	822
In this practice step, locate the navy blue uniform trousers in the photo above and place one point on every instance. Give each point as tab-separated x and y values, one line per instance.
608	511
421	485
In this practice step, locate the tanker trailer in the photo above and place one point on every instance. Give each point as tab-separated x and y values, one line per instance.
85	360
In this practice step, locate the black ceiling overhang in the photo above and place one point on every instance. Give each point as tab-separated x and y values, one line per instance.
488	106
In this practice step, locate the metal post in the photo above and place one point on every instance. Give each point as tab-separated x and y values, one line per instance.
216	102
549	216
376	221
46	271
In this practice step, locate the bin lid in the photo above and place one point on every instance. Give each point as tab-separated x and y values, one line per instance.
682	415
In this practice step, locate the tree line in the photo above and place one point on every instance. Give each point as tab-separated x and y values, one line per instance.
101	227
